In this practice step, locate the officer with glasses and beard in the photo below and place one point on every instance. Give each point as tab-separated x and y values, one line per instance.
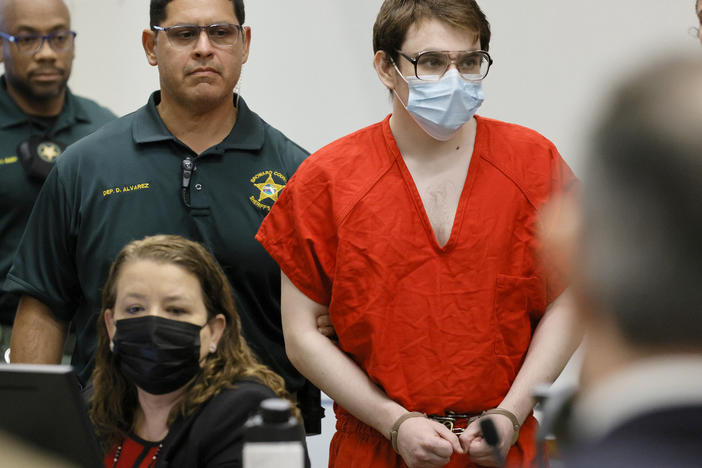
39	117
417	235
194	161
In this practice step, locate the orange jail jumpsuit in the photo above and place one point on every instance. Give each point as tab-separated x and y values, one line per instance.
437	328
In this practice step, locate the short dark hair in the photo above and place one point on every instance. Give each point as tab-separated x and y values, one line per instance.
157	11
397	16
640	255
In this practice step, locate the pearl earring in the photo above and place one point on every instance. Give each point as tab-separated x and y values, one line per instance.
212	348
112	346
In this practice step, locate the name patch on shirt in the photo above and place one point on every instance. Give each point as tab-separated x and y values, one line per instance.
265	189
125	188
8	160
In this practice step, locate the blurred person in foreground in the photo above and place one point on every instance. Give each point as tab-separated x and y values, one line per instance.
174	380
417	235
637	282
39	116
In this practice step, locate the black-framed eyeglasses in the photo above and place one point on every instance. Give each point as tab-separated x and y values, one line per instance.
432	65
186	35
30	44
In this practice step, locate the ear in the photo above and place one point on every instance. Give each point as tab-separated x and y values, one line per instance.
385	69
148	41
247	43
110	323
217	325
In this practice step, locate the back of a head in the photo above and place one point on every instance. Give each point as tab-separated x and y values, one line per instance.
641	255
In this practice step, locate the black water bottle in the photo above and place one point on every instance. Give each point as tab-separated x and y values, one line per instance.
273	437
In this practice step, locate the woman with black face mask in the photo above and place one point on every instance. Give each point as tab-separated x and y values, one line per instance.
174	380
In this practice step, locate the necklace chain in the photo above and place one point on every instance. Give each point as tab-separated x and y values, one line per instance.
118	452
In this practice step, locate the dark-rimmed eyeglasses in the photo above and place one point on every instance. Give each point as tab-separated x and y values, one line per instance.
30	44
186	35
432	65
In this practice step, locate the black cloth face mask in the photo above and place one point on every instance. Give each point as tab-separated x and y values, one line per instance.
157	354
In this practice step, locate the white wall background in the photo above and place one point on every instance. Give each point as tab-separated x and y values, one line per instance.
310	72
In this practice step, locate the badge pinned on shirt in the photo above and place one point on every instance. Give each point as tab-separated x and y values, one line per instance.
48	151
38	155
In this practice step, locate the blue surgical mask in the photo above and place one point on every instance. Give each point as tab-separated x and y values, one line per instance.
442	107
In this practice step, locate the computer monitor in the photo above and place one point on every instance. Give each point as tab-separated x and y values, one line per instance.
42	404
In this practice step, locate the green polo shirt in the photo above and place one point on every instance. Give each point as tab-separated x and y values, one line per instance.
78	118
123	183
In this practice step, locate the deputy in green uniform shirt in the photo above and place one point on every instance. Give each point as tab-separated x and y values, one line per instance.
195	161
37	113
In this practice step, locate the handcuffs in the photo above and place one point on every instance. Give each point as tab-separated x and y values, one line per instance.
449	420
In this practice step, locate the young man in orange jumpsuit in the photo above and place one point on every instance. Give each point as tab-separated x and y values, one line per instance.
417	235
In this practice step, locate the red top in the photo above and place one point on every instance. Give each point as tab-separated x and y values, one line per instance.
438	328
135	453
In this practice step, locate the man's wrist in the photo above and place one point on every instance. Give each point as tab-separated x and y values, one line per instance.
509	415
396	426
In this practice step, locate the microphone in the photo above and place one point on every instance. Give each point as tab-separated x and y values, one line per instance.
187	166
490	435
